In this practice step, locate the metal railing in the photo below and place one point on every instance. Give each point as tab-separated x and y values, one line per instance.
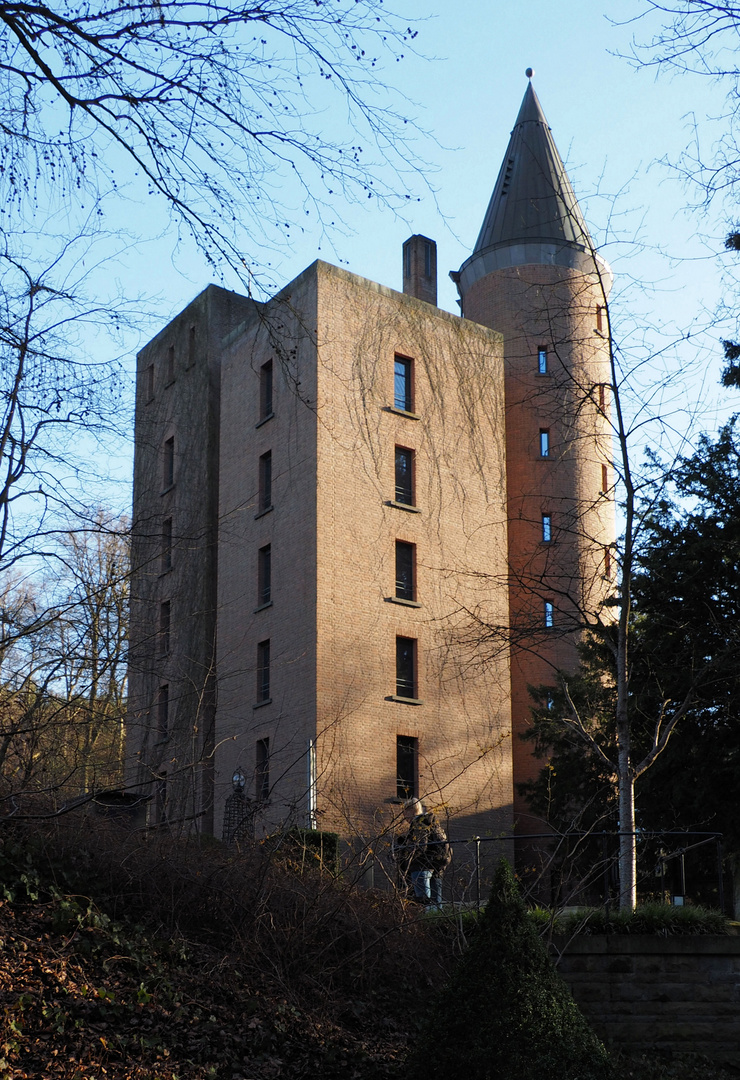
574	869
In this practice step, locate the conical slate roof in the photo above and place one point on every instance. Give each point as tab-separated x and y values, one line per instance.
533	215
533	198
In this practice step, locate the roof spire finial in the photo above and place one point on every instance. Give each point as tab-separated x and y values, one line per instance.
529	72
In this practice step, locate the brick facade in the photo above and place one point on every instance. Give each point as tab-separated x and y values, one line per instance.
555	309
332	525
363	527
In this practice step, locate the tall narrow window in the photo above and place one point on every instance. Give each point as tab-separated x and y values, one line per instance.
604	479
266	390
163	712
542	361
404	476
165	613
265	481
264	575
170	364
168	463
602	397
402	396
263	670
407	767
546	528
405	559
262	770
160	798
549	614
607	563
406	667
191	346
544	442
166	545
599	318
150	382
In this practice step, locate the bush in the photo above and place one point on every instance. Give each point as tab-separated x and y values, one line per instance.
663	919
311	848
506	1013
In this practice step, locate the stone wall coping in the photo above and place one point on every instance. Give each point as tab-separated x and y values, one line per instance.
647	944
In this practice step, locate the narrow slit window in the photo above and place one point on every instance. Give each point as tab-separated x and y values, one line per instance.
163	712
168	463
604	479
160	798
542	361
607	563
407	767
266	390
546	528
262	770
191	346
263	670
599	318
264	575
265	481
544	442
166	545
406	667
402	396
405	567
404	476
549	614
165	617
602	397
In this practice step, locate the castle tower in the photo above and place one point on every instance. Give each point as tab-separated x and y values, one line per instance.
318	489
535	276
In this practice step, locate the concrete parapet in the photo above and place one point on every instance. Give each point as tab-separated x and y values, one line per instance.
653	993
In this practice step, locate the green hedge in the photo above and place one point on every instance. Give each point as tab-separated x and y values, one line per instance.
663	919
506	1014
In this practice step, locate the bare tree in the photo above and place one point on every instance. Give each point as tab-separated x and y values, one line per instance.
207	107
62	671
92	636
58	407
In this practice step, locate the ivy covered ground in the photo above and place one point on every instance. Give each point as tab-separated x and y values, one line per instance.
143	960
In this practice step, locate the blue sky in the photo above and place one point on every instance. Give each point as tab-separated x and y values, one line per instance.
615	126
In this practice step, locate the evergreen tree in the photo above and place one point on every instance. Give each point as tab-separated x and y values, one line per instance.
685	637
506	1014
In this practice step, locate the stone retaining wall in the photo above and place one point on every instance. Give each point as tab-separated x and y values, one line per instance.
648	993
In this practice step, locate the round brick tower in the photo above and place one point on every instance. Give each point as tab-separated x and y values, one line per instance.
535	276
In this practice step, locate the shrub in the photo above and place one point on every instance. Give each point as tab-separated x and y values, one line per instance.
663	919
506	1013
311	848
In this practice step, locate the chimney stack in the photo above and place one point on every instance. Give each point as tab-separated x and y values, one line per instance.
420	268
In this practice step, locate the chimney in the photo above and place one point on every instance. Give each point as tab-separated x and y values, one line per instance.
420	268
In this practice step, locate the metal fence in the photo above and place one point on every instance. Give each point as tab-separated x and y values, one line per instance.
581	869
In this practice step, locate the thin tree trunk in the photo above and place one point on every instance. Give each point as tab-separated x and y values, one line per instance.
627	841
